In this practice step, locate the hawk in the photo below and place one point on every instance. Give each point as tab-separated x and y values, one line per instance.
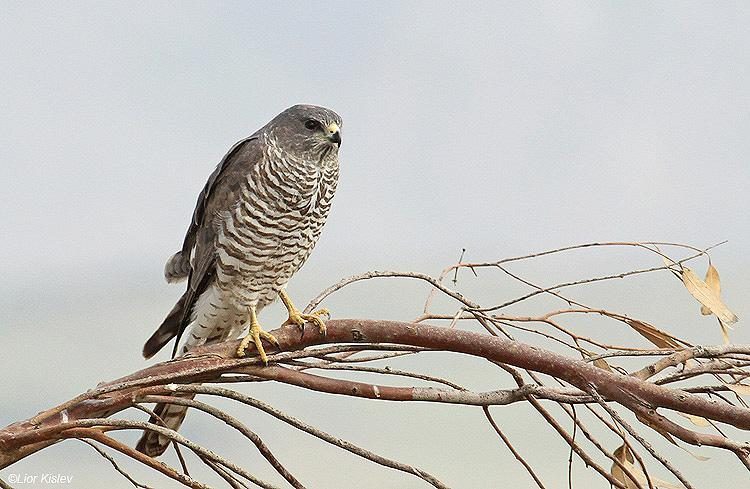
255	223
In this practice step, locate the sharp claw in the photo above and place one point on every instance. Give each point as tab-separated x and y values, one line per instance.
301	319
295	317
321	325
269	337
255	334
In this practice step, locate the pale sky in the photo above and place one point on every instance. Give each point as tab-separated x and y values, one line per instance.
502	128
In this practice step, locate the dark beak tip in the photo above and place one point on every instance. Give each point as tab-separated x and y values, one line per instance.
336	138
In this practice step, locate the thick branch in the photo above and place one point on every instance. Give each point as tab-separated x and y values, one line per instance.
205	364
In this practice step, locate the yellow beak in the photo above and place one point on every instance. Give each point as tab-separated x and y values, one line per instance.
334	133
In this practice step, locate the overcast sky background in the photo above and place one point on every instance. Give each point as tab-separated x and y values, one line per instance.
500	128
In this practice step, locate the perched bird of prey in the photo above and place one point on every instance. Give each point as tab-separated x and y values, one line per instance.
255	223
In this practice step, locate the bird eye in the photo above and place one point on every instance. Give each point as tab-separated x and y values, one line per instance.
312	124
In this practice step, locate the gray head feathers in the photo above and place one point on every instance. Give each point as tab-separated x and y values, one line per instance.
305	132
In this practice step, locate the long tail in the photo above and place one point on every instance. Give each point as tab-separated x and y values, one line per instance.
167	330
170	416
167	415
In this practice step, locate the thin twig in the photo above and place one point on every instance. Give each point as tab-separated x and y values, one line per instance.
231	421
84	430
350	447
112	461
152	414
230	478
68	431
512	449
663	460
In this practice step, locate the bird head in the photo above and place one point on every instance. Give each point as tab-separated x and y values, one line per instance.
307	132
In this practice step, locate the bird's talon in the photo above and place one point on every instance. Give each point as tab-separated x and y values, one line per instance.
296	317
301	319
255	335
269	337
319	322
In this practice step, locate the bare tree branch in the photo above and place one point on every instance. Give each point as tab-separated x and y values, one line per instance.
590	377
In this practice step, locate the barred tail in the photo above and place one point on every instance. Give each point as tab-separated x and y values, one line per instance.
177	268
170	416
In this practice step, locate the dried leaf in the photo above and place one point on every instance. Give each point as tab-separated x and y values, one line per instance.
660	484
724	333
655	336
699	458
599	362
696	420
602	364
656	428
713	282
625	457
622	454
741	389
707	296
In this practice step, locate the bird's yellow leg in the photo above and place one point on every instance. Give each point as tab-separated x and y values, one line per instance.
296	317
254	335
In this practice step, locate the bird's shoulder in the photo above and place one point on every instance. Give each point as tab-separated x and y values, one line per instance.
223	186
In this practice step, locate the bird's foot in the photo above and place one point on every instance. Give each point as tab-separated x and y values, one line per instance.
296	317
255	334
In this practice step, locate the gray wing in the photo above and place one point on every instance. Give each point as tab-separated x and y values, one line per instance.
242	152
221	192
178	265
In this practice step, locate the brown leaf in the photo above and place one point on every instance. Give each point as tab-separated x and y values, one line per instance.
622	454
602	364
655	336
697	457
724	333
707	296
714	283
599	362
696	420
625	457
656	428
741	389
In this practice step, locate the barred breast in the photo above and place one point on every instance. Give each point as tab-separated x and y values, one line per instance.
262	241
273	227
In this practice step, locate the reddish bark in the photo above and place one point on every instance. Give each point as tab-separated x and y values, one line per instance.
21	439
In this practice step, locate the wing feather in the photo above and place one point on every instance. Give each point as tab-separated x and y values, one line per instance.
221	193
206	194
